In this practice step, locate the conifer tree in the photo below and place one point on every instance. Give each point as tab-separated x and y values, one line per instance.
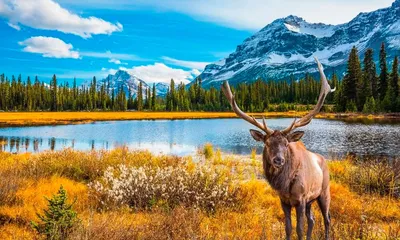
369	77
140	97
352	80
53	93
393	88
153	101
384	76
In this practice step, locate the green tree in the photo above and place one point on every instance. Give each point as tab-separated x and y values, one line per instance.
393	88
369	85
352	80
369	106
53	94
140	97
58	219
384	75
154	96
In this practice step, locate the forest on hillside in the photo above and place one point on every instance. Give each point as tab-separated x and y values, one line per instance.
360	90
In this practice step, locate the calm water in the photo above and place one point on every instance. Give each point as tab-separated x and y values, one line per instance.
181	137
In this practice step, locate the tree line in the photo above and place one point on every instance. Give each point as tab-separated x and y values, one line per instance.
361	89
19	95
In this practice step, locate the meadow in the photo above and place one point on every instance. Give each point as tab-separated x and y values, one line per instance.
63	118
125	194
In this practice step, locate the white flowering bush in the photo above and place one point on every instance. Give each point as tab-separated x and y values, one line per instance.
144	187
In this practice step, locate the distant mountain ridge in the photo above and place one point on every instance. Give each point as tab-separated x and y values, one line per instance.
130	83
287	46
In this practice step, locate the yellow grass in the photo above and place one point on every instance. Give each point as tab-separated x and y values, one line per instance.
256	215
62	118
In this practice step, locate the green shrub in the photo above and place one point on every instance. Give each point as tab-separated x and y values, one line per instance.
59	219
369	106
351	107
283	107
208	150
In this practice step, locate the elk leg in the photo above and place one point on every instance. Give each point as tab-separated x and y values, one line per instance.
323	203
310	220
300	209
287	209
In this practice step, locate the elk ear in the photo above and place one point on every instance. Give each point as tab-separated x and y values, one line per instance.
257	135
296	136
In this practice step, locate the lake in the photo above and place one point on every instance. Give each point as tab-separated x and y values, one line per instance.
331	138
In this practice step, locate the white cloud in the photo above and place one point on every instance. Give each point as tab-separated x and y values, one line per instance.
49	47
15	26
196	72
158	72
251	14
116	61
187	64
113	60
255	14
57	48
49	15
110	55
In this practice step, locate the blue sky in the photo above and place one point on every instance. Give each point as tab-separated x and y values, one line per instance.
155	40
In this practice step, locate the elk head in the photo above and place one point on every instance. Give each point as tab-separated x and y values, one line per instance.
276	142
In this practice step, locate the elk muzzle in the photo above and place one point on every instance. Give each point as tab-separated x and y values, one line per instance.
278	161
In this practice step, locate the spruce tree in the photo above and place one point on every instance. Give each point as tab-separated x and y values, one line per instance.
58	219
53	94
393	88
384	76
153	101
352	80
140	97
369	76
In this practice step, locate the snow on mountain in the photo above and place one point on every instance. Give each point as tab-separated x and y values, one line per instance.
129	83
122	79
162	89
319	30
287	47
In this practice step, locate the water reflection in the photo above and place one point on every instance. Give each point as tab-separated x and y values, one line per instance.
26	144
181	137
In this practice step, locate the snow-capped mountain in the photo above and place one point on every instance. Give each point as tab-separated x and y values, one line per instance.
287	46
130	83
125	80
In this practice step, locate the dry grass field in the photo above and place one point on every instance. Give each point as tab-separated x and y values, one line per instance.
62	118
124	194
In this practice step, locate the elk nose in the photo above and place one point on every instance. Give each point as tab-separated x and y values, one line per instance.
278	161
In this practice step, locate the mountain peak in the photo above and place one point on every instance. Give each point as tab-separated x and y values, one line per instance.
122	79
287	46
294	18
122	73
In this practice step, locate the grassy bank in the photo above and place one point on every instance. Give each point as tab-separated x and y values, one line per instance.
124	194
62	118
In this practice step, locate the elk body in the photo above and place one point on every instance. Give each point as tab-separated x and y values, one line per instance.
299	176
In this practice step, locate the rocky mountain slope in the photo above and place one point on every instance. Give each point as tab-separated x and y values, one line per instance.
130	83
287	46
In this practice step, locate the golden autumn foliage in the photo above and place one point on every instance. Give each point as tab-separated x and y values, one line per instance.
63	118
256	214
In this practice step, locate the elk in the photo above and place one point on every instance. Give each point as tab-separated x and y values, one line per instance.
299	176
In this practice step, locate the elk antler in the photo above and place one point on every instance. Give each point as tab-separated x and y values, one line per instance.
231	98
325	90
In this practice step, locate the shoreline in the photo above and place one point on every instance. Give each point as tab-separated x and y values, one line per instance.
20	119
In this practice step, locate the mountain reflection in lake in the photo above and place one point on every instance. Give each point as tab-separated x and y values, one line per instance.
327	137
